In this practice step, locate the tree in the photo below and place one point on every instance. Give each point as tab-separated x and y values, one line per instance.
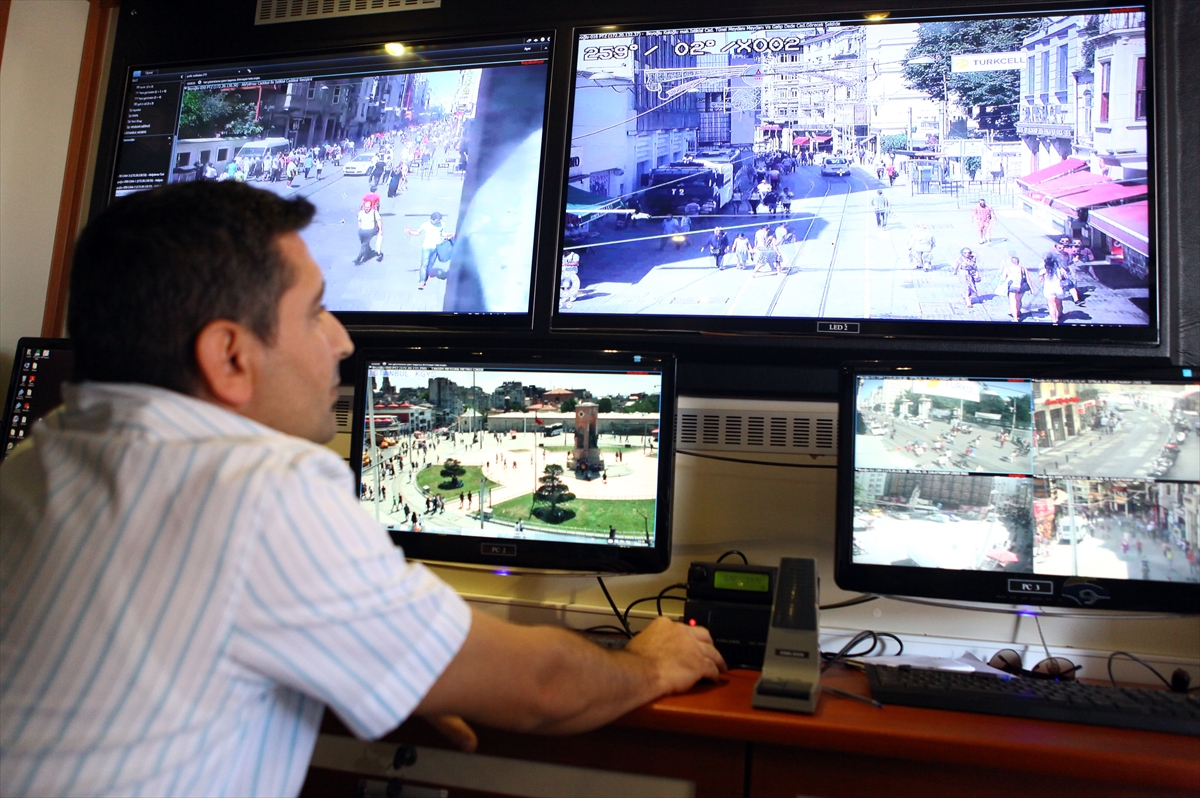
972	164
605	405
452	470
647	404
568	405
209	112
553	492
941	40
894	141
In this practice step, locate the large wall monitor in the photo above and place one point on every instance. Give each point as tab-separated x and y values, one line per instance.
423	159
515	460
870	175
1043	485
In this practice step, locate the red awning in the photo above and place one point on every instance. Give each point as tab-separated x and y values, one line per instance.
822	139
1065	184
1129	224
1063	167
1096	196
771	127
801	141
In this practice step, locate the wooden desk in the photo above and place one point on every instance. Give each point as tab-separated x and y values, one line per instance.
848	748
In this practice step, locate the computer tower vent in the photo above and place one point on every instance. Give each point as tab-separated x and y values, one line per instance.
270	12
733	425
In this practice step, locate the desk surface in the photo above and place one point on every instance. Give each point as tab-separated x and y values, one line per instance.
840	724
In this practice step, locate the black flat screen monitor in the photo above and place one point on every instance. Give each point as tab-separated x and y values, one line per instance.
516	460
879	175
40	367
423	160
1055	485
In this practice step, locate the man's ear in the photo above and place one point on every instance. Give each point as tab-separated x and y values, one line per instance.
226	357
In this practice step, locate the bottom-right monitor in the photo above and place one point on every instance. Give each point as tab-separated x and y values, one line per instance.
1055	487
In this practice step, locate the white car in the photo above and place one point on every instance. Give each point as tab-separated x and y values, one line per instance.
839	167
359	165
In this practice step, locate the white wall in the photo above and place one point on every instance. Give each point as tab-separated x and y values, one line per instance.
42	51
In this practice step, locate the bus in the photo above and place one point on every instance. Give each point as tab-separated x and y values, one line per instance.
553	430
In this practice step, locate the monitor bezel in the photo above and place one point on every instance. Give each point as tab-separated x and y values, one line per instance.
373	321
534	556
987	586
1149	335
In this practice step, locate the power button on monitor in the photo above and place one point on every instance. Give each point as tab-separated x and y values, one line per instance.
1031	587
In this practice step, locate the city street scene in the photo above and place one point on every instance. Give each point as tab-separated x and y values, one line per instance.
944	425
1117	529
1123	430
955	521
965	170
513	454
425	182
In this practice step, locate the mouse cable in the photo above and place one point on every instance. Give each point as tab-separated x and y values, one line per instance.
613	604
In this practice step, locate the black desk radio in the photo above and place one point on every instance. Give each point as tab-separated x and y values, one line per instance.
733	602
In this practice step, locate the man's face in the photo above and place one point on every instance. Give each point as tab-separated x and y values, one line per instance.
298	379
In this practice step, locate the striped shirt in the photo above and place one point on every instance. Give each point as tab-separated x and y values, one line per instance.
183	591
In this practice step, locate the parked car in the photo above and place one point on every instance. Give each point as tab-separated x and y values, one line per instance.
839	167
359	165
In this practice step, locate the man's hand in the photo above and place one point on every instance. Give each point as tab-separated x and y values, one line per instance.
456	730
681	654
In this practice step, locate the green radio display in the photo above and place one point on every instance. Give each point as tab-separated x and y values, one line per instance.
740	580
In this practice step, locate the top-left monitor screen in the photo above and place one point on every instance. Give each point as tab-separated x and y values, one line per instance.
424	162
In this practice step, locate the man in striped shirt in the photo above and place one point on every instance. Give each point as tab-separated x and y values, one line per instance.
186	577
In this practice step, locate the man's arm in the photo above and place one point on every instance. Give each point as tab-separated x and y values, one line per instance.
551	681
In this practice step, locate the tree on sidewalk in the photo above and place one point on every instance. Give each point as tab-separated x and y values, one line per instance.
1000	88
553	492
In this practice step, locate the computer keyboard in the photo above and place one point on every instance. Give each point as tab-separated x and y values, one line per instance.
1075	702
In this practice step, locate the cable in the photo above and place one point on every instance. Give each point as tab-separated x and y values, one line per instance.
752	462
608	627
732	551
613	604
863	599
1151	668
875	638
662	594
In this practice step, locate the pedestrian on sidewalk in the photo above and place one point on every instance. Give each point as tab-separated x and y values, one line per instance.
741	251
1014	281
920	247
880	205
1052	288
718	245
967	271
983	216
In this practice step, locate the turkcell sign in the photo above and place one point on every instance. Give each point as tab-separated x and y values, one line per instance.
986	62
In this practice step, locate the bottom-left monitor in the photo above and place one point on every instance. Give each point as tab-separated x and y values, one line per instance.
517	460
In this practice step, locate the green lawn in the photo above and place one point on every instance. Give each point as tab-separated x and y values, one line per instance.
590	514
431	479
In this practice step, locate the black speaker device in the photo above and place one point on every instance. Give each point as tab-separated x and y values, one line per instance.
733	602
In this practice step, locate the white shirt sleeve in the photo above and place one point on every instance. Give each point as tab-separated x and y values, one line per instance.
332	609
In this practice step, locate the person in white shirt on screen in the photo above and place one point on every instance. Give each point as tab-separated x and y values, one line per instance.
187	580
433	235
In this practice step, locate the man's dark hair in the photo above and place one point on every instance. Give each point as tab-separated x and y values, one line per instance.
155	267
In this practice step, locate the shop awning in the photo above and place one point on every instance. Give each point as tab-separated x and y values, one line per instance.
1065	184
770	127
586	205
1096	196
1063	167
822	139
801	141
1129	224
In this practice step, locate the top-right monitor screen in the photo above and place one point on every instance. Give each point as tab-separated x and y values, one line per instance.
973	175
